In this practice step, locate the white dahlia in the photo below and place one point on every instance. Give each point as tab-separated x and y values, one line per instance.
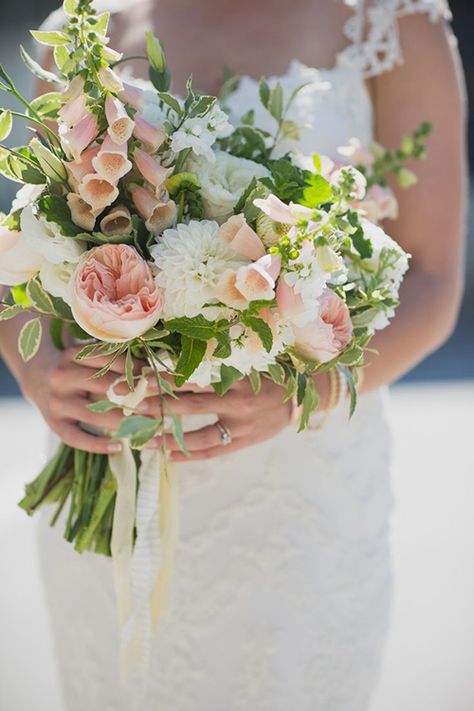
190	259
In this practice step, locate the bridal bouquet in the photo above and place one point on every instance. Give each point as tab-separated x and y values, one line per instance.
147	226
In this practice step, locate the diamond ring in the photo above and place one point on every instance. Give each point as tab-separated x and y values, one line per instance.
226	437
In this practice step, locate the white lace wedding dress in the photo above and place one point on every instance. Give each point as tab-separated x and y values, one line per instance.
282	583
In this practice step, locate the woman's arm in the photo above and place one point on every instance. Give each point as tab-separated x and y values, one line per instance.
428	86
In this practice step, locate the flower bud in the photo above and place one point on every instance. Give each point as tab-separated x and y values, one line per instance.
51	166
406	178
327	259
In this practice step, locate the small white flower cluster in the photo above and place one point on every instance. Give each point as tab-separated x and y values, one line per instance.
199	133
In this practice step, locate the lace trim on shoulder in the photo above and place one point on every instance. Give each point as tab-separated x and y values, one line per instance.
373	31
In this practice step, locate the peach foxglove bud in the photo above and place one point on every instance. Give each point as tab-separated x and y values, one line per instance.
406	178
120	124
242	238
151	136
112	162
117	222
110	80
74	88
75	140
133	95
257	281
96	191
151	169
72	112
81	212
51	166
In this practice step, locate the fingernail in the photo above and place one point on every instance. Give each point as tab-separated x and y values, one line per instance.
114	447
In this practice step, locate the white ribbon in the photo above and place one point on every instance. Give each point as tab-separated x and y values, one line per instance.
142	571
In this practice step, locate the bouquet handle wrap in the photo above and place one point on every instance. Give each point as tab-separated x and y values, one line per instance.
143	546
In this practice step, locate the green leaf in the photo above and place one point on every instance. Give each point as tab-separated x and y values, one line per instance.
47	105
351	357
275	104
347	373
6	123
70	7
201	106
361	243
197	327
102	23
264	92
13	220
11	312
364	318
192	353
229	376
5	78
255	381
170	101
224	347
19	295
29	339
318	191
38	70
178	434
102	406
291	387
309	403
56	210
129	370
39	297
317	162
135	425
277	373
62	58
56	326
262	329
51	39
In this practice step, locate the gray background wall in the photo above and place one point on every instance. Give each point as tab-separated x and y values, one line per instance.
455	360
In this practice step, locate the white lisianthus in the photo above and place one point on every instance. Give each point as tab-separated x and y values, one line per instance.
56	279
190	259
45	239
393	262
26	195
201	132
224	181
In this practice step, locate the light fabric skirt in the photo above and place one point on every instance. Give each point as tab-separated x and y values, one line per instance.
281	589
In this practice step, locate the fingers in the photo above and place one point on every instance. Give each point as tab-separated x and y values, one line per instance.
72	435
76	409
198	403
217	451
96	364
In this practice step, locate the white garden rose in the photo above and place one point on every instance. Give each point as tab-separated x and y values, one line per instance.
224	181
45	239
191	259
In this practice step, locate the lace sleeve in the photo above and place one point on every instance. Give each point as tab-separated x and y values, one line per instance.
373	31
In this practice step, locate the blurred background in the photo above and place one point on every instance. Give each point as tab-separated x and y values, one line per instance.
429	661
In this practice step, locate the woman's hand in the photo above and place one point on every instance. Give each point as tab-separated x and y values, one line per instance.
62	388
249	418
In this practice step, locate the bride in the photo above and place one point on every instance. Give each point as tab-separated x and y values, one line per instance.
282	585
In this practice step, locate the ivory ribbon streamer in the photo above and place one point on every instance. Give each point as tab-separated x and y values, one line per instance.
142	572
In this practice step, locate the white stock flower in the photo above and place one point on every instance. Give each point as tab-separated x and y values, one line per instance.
393	273
224	181
190	259
306	276
201	132
45	239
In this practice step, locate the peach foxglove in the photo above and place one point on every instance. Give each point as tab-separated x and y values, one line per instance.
97	191
72	112
110	80
81	212
149	135
75	140
158	215
111	161
151	169
120	124
117	222
78	169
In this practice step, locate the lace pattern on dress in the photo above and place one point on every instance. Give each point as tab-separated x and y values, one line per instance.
373	31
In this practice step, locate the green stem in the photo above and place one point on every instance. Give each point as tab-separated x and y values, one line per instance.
38	122
128	59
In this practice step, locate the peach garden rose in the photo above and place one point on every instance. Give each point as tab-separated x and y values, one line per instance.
114	295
